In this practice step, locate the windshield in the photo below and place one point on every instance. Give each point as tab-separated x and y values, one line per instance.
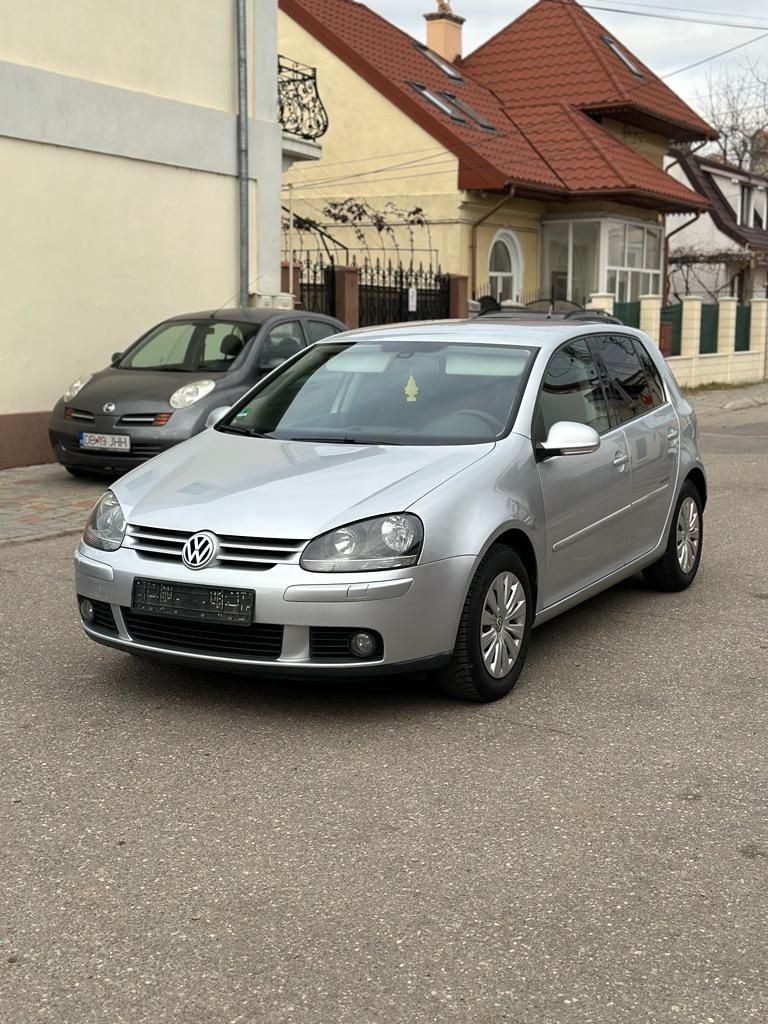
399	392
191	346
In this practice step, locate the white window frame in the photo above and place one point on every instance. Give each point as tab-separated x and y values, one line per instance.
509	239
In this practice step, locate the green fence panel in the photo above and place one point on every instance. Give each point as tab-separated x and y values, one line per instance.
708	335
670	336
628	313
742	328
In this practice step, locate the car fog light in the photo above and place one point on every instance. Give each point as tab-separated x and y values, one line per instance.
362	645
86	609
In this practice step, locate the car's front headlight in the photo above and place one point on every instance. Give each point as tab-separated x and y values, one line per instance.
76	387
386	542
106	527
191	393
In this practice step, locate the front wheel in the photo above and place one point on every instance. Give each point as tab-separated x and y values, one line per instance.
677	567
494	630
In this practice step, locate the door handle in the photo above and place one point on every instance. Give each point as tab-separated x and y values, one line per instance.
673	434
620	459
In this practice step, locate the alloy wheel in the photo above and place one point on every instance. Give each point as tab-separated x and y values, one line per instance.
502	624
688	534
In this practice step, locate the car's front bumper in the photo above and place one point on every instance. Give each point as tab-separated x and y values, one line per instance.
415	611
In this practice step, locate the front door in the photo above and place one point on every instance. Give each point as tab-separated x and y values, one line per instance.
586	497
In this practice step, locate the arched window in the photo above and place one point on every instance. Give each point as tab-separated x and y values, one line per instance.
505	267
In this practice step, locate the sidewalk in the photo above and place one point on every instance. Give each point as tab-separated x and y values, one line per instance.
45	501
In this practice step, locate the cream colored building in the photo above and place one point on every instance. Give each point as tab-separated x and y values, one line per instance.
534	181
119	188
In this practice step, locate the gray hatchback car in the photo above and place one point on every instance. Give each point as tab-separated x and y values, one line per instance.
414	497
161	389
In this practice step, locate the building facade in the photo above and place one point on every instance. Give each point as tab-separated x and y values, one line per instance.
120	201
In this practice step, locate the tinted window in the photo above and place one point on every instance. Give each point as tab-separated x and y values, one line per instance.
572	391
317	330
627	387
651	373
282	342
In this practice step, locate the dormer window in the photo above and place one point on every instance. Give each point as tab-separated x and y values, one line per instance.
445	67
436	100
614	47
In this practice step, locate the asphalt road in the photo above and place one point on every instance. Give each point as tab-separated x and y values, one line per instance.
202	849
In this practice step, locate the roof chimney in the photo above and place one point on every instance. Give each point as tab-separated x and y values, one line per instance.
444	31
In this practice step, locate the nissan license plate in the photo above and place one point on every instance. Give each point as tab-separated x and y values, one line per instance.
106	442
187	601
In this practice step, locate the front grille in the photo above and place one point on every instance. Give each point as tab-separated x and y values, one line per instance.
103	618
139	450
260	641
256	553
331	643
137	419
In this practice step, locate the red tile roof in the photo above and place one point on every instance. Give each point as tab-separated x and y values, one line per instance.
542	144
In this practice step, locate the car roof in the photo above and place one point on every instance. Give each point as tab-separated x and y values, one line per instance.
546	335
247	315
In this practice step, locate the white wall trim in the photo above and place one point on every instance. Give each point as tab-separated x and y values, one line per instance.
60	110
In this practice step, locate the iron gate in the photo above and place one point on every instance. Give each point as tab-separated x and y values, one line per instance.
388	294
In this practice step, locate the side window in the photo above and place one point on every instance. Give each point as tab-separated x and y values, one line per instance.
282	342
628	392
572	391
317	330
651	373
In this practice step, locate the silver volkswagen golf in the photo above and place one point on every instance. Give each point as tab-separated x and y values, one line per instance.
404	498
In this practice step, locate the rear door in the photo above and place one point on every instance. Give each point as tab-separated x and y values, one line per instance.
637	401
586	497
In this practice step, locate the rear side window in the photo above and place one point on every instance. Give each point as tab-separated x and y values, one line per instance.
572	391
629	394
317	330
652	374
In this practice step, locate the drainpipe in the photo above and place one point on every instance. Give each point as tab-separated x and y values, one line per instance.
242	147
510	191
687	224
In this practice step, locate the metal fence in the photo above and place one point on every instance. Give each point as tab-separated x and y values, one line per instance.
708	335
318	289
743	316
391	294
628	313
671	329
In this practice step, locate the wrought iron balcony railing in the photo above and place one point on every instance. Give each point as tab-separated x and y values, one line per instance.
301	110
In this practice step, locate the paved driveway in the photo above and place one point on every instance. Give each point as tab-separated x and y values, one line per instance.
180	846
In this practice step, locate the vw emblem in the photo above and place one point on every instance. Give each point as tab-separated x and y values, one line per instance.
199	550
108	407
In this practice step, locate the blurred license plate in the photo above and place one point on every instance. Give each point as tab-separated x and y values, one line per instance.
106	442
185	601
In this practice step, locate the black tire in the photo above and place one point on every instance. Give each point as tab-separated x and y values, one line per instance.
466	676
668	574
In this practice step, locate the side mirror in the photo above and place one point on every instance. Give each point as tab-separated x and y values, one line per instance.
115	357
566	438
215	415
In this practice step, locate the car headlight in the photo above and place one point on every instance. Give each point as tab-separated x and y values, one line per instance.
191	393
386	542
106	527
76	387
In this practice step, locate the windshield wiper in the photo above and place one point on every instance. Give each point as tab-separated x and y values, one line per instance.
231	428
342	440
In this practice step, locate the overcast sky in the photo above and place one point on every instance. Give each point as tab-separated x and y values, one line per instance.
663	45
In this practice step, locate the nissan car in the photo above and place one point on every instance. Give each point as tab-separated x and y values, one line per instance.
404	498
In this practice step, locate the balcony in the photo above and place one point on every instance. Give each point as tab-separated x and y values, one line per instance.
301	111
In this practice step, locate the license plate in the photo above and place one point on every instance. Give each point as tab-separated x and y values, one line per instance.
187	601
106	442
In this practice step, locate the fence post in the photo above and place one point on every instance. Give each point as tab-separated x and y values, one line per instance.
601	300
726	324
285	280
690	330
458	303
650	317
758	332
347	286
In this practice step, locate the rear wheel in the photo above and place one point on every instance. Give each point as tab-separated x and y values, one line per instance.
677	567
495	627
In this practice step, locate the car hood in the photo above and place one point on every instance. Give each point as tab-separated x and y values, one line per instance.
124	388
289	489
